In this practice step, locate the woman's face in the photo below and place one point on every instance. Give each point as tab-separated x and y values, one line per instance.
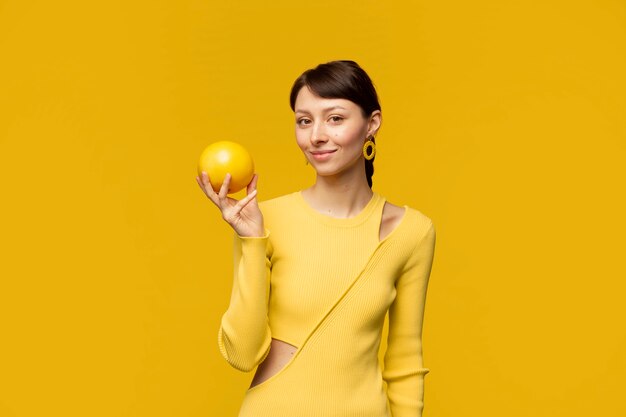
331	132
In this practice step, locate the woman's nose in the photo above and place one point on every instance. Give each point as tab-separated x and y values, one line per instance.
318	133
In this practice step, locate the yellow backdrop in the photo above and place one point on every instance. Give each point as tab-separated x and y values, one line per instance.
503	122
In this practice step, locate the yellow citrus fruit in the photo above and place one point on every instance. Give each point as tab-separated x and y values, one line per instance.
220	158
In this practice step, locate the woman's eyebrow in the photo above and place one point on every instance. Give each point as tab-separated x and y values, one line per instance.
325	109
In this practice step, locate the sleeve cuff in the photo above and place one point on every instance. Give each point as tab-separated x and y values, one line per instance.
266	234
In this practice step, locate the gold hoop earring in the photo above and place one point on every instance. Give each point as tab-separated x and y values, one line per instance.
372	145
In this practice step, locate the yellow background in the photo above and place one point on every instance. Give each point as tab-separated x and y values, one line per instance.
503	121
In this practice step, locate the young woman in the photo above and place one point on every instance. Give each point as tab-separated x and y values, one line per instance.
317	270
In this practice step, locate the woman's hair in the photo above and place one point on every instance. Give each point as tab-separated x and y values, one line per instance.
341	79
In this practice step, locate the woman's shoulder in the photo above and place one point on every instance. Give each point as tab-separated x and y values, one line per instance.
398	211
392	217
392	212
408	217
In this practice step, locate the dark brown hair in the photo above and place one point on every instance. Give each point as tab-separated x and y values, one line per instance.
341	79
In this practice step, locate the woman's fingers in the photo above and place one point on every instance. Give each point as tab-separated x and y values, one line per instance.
224	188
210	190
252	185
234	212
205	184
229	207
244	201
200	182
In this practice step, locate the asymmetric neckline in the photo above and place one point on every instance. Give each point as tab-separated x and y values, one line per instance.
361	217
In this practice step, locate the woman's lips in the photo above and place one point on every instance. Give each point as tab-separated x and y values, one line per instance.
322	155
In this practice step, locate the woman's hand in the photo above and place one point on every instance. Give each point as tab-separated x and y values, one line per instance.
243	215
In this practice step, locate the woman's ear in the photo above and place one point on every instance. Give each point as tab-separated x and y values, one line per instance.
374	123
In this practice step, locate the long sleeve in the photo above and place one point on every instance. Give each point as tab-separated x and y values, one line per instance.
244	336
403	364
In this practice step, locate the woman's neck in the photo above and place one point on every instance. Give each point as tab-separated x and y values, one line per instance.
338	197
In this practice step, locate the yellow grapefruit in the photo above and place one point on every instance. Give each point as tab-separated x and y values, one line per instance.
220	158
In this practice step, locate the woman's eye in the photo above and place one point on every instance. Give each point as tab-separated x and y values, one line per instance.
302	121
336	118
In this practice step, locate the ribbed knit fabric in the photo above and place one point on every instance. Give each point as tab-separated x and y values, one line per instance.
324	284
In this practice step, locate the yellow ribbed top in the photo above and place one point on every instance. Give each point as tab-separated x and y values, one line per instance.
324	284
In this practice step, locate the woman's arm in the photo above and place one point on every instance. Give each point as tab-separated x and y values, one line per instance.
404	370
244	336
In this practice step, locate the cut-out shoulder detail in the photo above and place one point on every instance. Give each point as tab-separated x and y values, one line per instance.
391	217
280	353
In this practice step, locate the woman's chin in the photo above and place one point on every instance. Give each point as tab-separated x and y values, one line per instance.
325	169
326	172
